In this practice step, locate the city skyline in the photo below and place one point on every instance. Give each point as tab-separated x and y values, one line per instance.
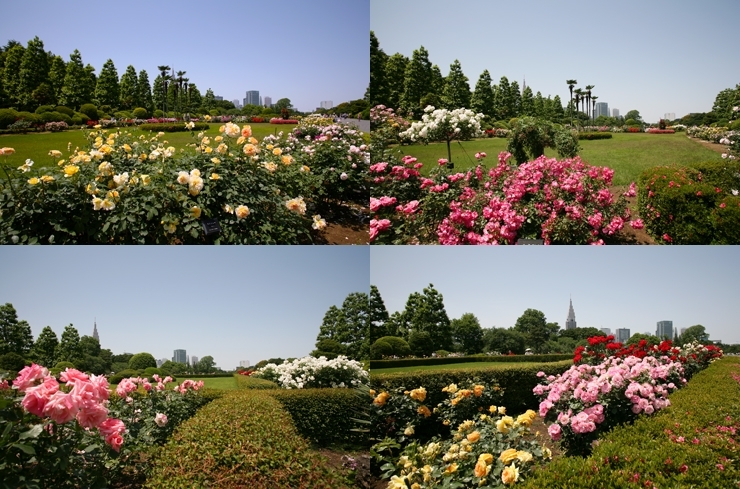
213	54
635	67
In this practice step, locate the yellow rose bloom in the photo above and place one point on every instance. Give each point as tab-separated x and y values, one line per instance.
372	392
71	170
452	388
397	483
546	453
113	195
487	458
47	178
241	140
510	475
108	205
215	176
473	437
381	399
501	410
127	148
253	140
451	469
508	455
195	211
246	131
6	151
481	469
145	180
97	203
415	485
222	149
143	157
478	390
250	149
296	205
228	209
286	159
524	456
33	181
270	166
55	153
419	394
424	411
242	211
409	431
502	427
277	151
305	168
270	146
218	139
215	161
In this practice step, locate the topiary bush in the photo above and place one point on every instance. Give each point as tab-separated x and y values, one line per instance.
174	127
123	374
59	367
141	113
389	346
7	117
590	136
65	110
44	108
142	361
90	110
12	362
530	136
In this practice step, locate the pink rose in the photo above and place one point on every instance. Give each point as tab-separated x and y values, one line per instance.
115	441
61	408
111	426
35	400
28	376
554	431
70	375
92	416
160	419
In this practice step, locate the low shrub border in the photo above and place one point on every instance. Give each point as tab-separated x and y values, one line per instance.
689	444
413	362
283	121
516	382
660	131
595	135
244	439
174	127
245	382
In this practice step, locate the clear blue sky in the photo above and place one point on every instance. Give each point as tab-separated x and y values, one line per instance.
612	287
307	51
654	56
235	303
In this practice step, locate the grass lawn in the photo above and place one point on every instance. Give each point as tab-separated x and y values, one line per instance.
627	154
37	146
455	366
221	383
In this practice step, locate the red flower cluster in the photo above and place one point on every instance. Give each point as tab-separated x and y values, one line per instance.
633	129
661	131
257	120
275	120
246	372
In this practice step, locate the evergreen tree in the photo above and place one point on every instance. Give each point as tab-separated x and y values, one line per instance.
34	70
528	103
482	99
56	77
208	100
107	89
128	89
504	104
395	71
172	90
44	349
417	82
558	113
539	106
515	96
426	313
75	91
144	92
536	329
11	75
438	82
378	315
157	89
15	335
349	326
457	89
69	348
378	60
89	346
196	99
91	81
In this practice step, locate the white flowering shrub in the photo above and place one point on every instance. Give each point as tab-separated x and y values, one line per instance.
444	125
307	372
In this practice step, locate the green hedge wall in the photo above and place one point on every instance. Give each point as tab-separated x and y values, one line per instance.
173	127
244	439
324	416
594	135
517	382
415	362
249	382
649	453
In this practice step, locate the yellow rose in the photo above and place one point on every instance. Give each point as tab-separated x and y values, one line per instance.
502	410
228	209
502	427
524	456
270	146
487	458
215	161
372	392
145	180
546	453
55	153
510	475
143	157
215	176
242	211
253	140
208	150
277	151
478	390
47	178
33	181
397	483
481	469
408	431
195	211
419	394
473	437
218	139
508	455
127	148
452	388
6	151
424	411
381	399
451	469
250	149
70	170
286	159
108	205
241	140
305	168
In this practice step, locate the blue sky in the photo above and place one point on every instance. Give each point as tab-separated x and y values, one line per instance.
654	56
307	51
612	287
235	303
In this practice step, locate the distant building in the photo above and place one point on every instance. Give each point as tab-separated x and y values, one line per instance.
218	97
606	331
669	116
268	101
260	100
95	331
253	98
602	108
193	360
244	363
236	103
327	104
664	330
160	361
570	323
623	334
683	330
181	356
615	113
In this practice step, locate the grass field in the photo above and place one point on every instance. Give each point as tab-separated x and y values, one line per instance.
456	366
36	146
627	154
221	383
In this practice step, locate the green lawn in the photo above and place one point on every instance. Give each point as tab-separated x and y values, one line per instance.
221	383
37	146
627	154
456	366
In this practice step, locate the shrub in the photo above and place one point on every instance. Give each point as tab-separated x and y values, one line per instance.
594	135
247	435
123	374
660	131
45	108
413	362
150	371
79	119
309	372
141	361
174	127
30	117
725	219
65	110
723	174
7	117
59	367
91	111
141	113
56	126
158	113
325	416
12	362
251	382
396	346
530	136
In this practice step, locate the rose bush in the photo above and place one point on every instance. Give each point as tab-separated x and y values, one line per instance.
307	372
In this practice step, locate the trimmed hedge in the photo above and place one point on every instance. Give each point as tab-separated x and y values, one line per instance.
517	382
648	453
324	416
244	439
414	362
248	382
173	127
594	135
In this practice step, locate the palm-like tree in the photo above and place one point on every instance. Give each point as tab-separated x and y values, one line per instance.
579	98
163	69
571	84
588	96
593	99
178	89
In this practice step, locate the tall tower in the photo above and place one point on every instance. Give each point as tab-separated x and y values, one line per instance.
95	330
570	323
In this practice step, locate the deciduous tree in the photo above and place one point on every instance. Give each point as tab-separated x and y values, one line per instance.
467	333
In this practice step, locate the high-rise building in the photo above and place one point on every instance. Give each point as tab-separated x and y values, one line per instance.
95	331
218	97
244	363
160	361
193	360
236	103
669	116
326	104
181	356
260	100
570	323
602	108
664	330
606	331
623	334
268	101
615	113
253	98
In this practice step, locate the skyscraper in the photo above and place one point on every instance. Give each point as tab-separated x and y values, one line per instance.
669	116
570	323
615	113
193	360
606	331
95	331
268	101
664	330
602	108
326	104
253	97
623	334
180	356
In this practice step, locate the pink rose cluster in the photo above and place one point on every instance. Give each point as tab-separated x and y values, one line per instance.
575	400
189	385
84	399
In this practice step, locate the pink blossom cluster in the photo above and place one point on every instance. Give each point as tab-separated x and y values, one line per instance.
189	385
85	400
576	399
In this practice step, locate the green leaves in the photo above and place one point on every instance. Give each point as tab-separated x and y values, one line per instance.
32	433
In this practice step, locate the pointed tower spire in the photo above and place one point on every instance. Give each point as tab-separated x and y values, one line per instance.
570	323
95	330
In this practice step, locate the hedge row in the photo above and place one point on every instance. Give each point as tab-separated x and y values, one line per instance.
248	382
594	135
325	416
517	382
682	205
244	439
693	443
174	127
414	362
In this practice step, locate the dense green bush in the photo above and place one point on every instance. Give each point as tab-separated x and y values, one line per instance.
249	382
80	119
60	366
12	362
724	174
594	135
141	113
141	361
30	117
530	136
158	113
693	443
44	108
388	346
7	117
244	439
90	110
725	219
65	110
413	362
324	416
517	382
123	374
173	127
